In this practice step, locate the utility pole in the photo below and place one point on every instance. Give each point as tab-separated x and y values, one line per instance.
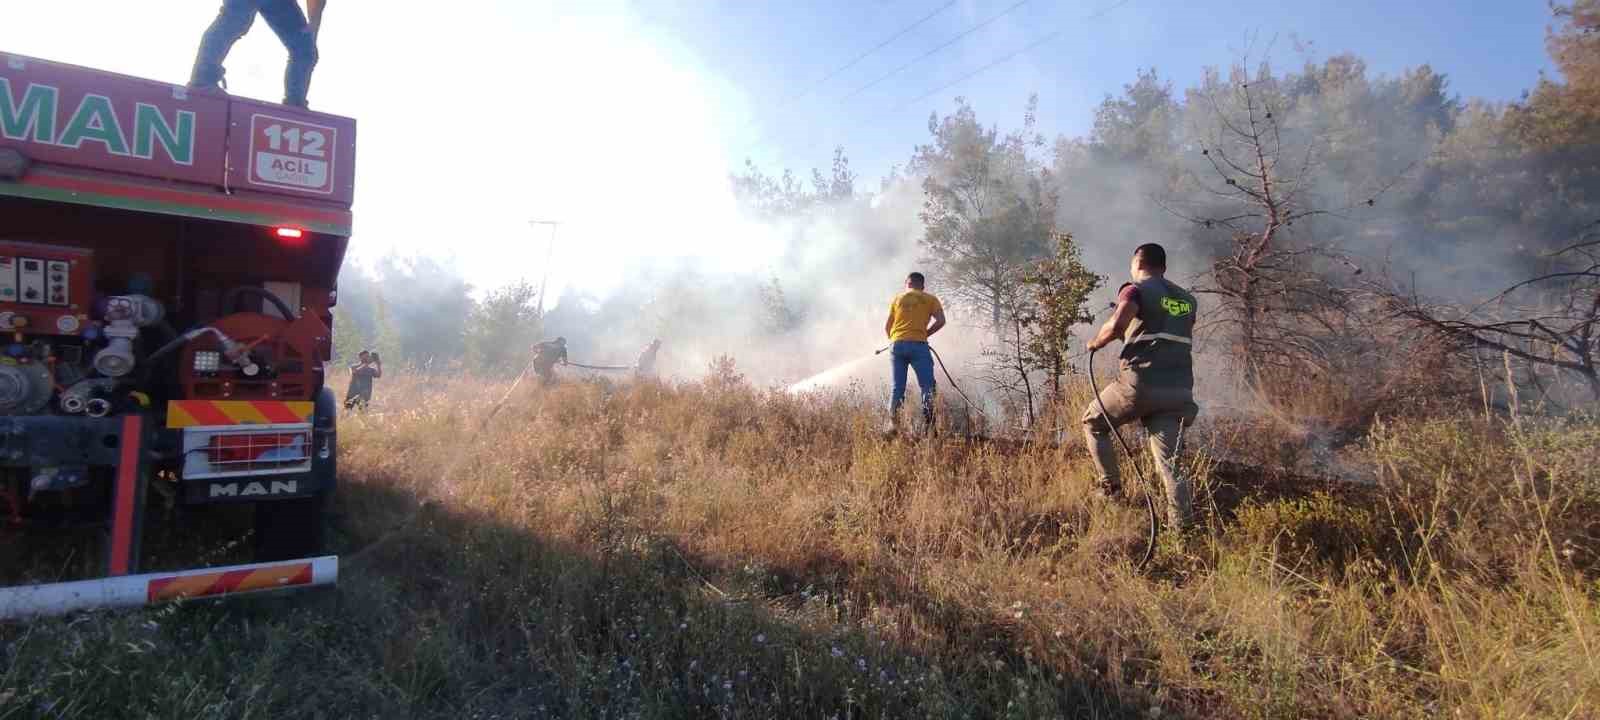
549	257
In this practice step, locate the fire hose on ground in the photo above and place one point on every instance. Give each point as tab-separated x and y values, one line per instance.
601	367
947	377
1133	459
1144	482
369	550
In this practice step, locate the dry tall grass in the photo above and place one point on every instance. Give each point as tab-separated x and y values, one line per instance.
714	550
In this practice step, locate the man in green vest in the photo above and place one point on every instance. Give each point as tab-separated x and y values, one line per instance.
1154	318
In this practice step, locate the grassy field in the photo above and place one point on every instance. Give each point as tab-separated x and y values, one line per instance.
714	550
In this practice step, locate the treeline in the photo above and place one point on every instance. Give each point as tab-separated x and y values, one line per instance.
1377	234
1323	212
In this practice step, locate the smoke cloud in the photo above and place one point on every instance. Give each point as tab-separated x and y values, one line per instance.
1389	172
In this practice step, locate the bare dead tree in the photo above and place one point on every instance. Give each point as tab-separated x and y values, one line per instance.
1008	370
1549	320
1275	301
1006	362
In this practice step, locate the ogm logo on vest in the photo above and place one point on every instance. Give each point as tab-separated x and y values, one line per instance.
1177	307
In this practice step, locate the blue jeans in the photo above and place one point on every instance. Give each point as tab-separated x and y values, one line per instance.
235	19
919	357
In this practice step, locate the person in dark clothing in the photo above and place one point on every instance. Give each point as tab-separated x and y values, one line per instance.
646	367
299	37
545	357
367	368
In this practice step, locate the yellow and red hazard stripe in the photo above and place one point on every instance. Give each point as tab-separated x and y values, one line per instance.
198	413
233	581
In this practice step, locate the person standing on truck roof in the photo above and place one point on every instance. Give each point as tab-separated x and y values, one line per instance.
646	366
545	357
368	367
1154	317
908	330
299	37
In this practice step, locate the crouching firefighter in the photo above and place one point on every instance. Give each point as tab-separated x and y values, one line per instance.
1154	318
545	357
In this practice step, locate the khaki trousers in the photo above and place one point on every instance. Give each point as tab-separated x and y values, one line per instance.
1166	412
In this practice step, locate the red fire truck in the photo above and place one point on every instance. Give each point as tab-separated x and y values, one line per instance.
168	265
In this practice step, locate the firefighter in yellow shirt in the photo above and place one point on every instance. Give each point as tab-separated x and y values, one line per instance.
908	330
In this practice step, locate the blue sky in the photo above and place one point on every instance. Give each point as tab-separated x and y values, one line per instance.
622	119
772	52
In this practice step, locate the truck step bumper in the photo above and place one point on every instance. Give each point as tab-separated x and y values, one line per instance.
31	601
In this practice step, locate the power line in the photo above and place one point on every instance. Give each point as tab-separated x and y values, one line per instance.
878	47
1007	58
1048	37
835	72
987	66
934	51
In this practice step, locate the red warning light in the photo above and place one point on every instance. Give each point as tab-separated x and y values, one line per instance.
289	233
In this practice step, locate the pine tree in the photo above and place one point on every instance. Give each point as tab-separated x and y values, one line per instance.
348	341
1058	289
387	343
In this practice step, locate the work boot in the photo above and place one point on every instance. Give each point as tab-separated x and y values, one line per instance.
296	81
231	24
208	78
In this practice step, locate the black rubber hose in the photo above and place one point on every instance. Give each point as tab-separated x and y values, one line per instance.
1144	483
947	376
601	367
147	367
231	299
951	380
171	345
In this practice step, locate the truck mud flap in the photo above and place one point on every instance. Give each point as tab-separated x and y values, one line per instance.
35	601
249	489
224	463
